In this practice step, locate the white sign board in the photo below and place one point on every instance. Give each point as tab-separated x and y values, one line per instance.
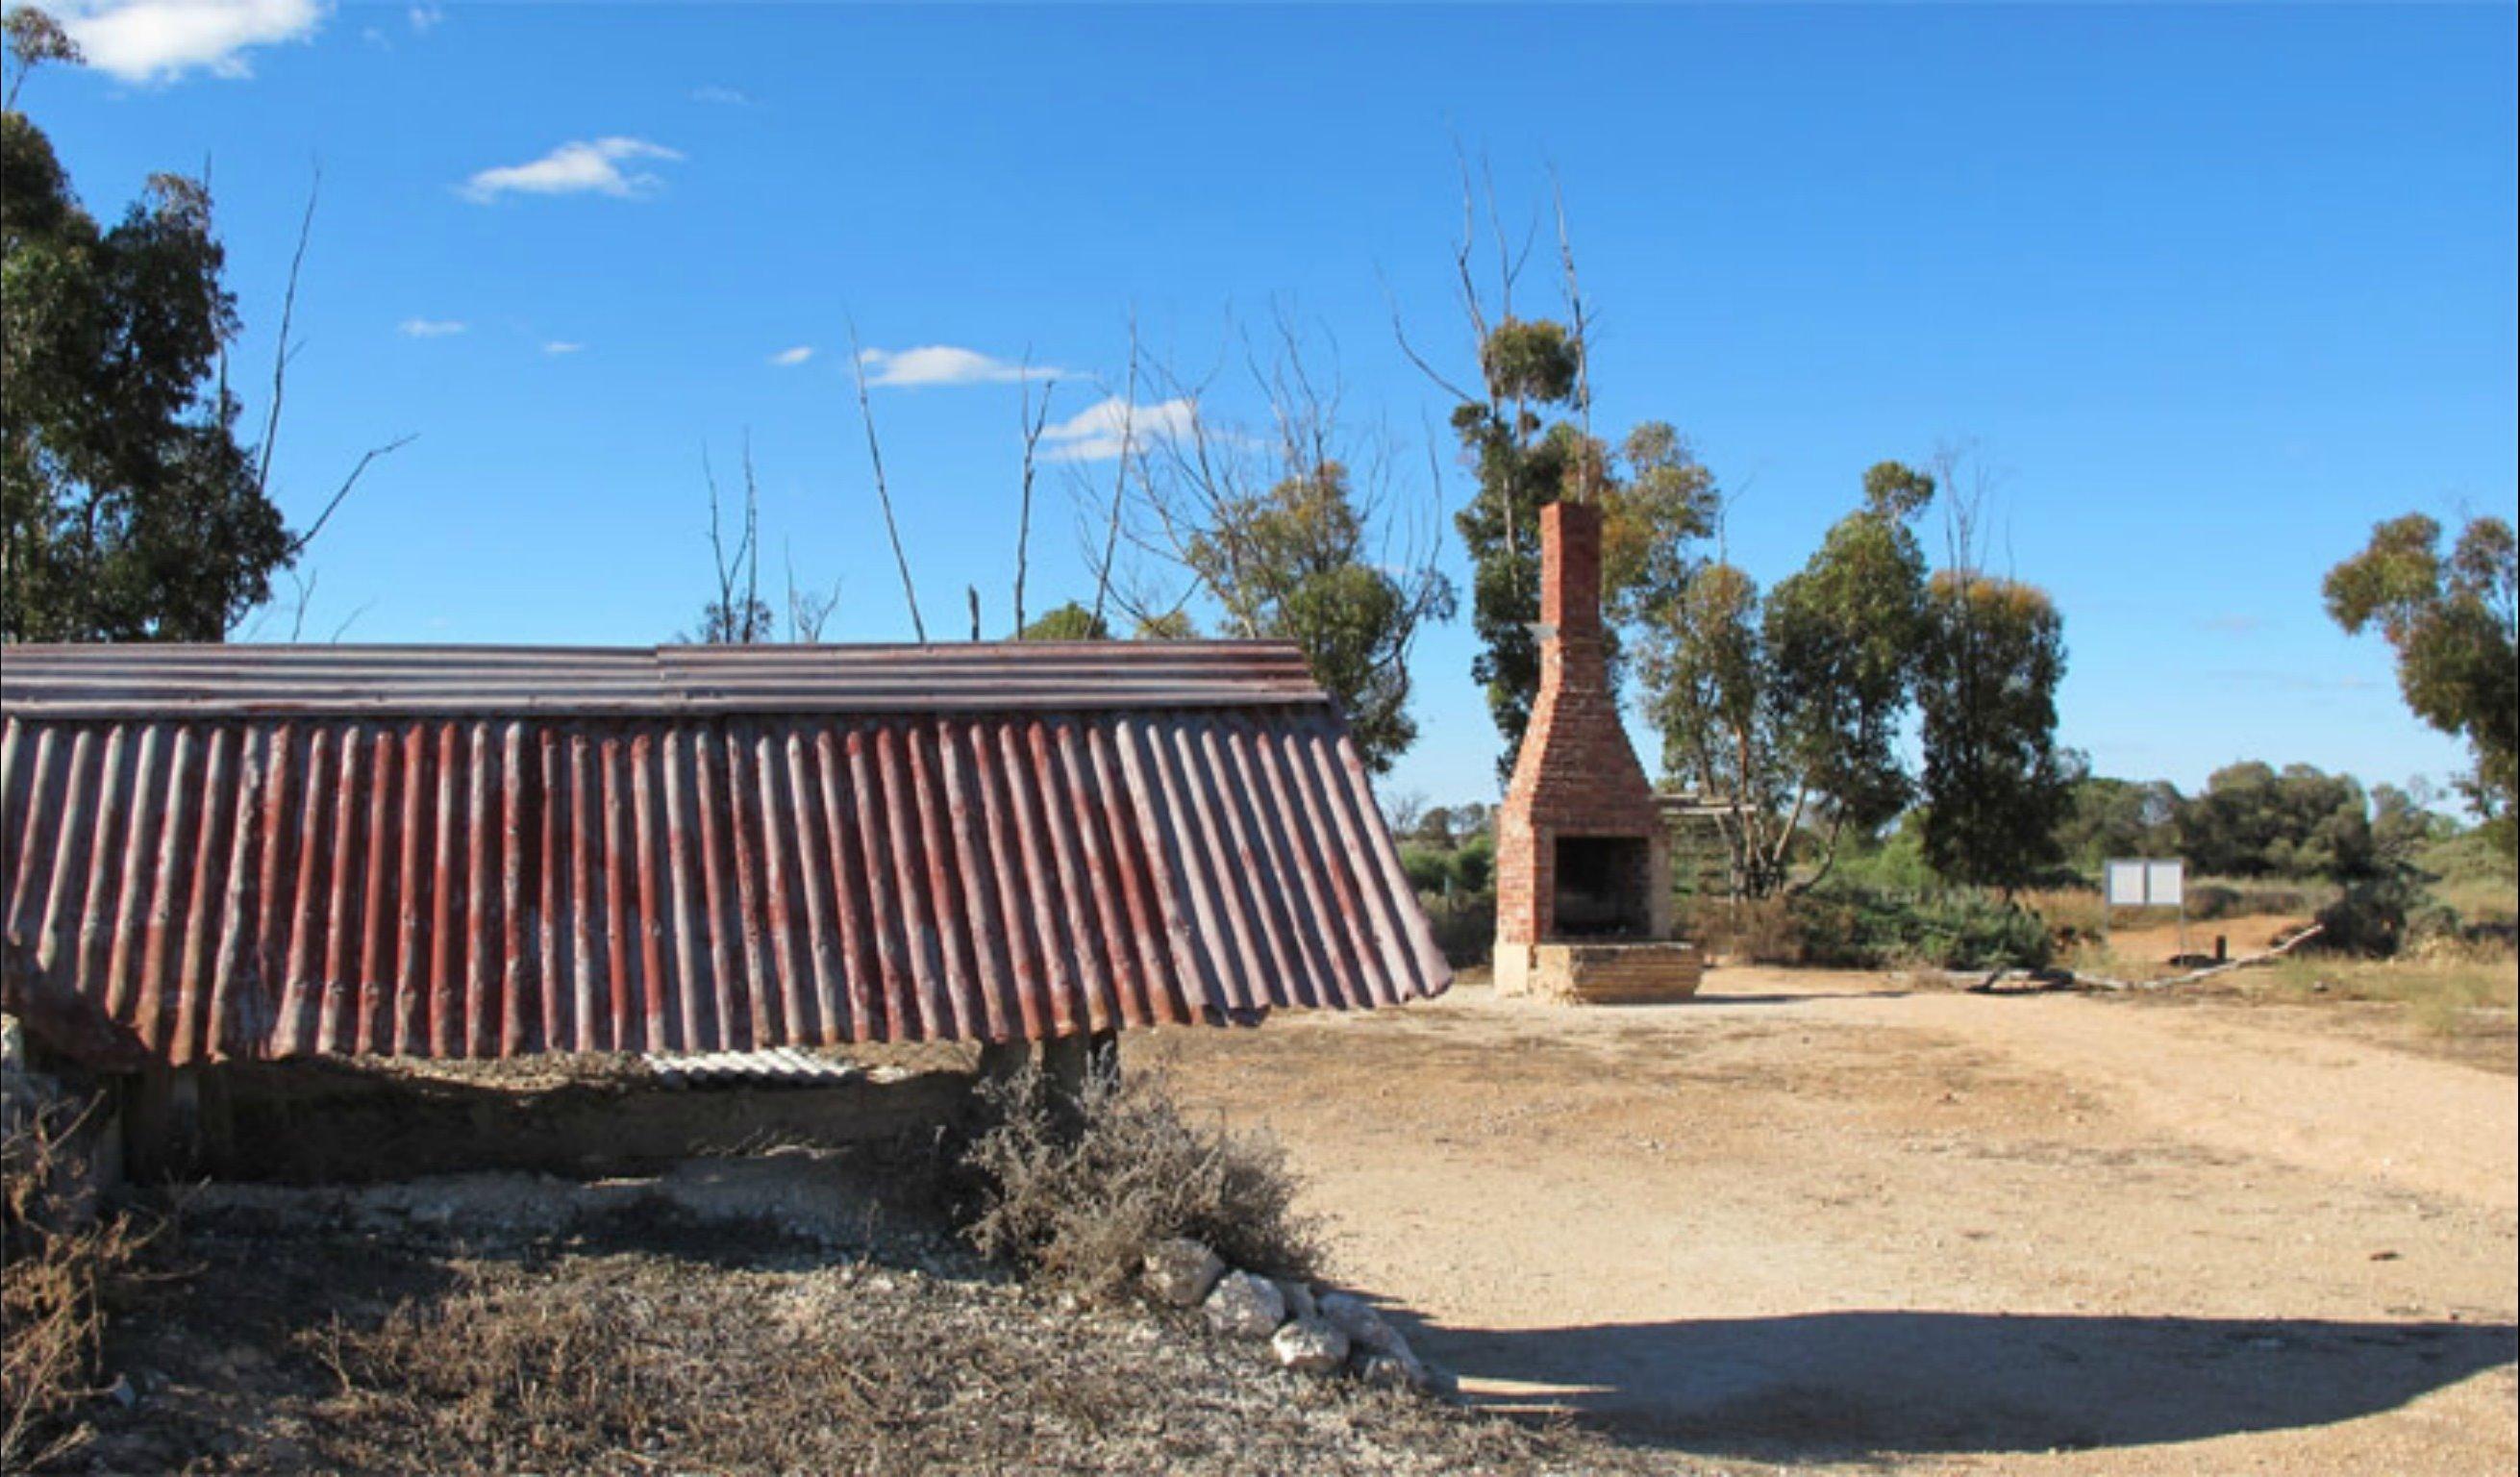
2143	884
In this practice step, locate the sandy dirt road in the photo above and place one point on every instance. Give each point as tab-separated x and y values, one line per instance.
1813	1218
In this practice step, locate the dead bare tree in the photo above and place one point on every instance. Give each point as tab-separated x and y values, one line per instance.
1119	478
1300	533
1589	472
736	617
285	351
1034	422
808	610
883	490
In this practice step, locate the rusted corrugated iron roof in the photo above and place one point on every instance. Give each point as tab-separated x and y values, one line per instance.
219	853
206	681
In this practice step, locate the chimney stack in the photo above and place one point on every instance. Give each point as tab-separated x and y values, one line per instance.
1581	851
1570	569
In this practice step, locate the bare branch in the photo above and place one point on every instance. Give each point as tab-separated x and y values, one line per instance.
1588	487
749	554
305	598
1120	476
1033	420
374	453
807	609
349	620
884	492
284	352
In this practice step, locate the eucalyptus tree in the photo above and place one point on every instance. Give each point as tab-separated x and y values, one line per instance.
1998	788
1784	710
2454	624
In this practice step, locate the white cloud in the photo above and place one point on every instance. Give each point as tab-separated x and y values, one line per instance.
725	97
159	40
430	328
583	167
943	364
563	347
426	18
791	358
1097	432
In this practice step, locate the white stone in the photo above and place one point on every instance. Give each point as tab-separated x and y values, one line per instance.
1362	1323
1300	1298
1310	1346
1398	1371
1181	1272
1245	1305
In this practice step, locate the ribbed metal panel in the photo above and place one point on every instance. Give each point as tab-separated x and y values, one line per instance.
182	888
223	681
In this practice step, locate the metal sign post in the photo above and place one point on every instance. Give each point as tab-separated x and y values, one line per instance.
2137	882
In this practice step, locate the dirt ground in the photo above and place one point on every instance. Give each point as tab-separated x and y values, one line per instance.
1818	1218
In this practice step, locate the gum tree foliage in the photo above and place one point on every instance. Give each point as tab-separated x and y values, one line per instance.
1527	447
1073	621
1291	563
2454	624
2252	820
1298	531
129	508
1786	707
1997	788
1069	622
2121	818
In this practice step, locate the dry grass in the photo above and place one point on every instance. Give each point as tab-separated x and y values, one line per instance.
2072	914
2444	989
1761	930
60	1268
1075	1196
301	1345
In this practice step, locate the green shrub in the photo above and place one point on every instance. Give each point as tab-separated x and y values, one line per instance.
2369	921
1465	925
1429	867
1852	926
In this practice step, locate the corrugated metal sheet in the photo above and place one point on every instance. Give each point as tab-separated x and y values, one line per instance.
205	884
208	681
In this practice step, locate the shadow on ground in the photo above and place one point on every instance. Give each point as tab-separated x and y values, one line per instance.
1859	1383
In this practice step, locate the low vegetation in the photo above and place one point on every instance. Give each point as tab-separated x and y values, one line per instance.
61	1268
1075	1194
291	1329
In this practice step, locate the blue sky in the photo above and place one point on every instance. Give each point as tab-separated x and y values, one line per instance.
2207	291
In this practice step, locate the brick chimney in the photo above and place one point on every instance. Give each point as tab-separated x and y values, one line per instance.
1581	851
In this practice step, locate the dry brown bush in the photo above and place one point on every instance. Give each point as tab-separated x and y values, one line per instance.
1077	1195
1750	930
59	1268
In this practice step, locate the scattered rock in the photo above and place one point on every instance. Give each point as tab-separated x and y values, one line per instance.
1310	1346
1182	1272
121	1393
1362	1323
1405	1372
1245	1305
1300	1298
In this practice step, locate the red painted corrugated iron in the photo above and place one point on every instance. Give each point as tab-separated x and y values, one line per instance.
228	852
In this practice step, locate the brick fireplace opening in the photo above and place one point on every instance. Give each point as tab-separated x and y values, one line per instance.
1582	862
1603	887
